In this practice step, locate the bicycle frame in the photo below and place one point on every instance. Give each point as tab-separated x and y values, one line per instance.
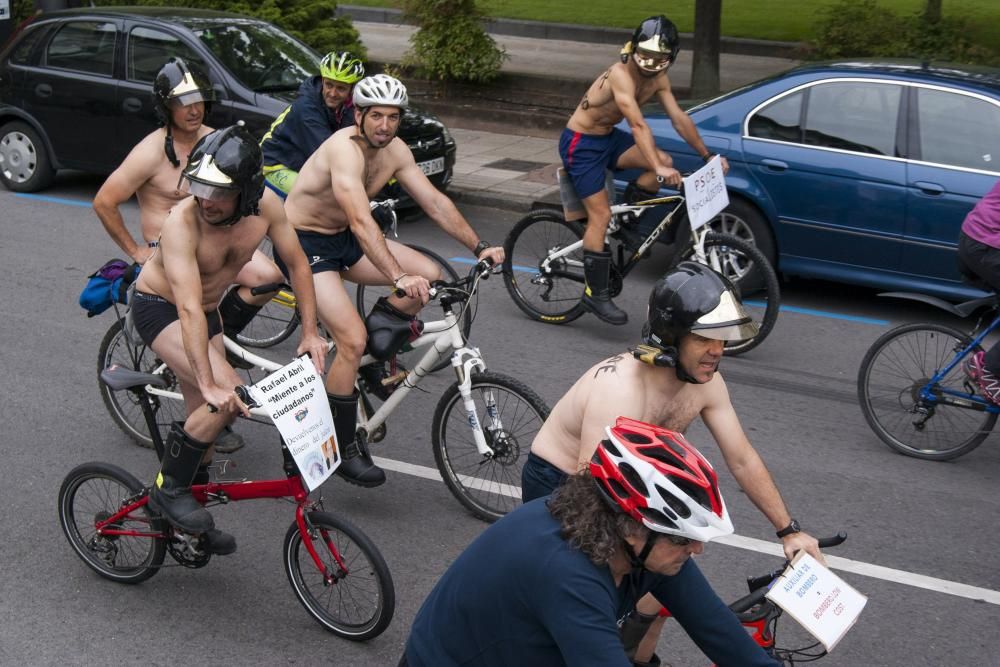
438	336
934	392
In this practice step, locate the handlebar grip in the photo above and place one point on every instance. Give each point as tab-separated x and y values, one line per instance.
827	542
268	288
748	601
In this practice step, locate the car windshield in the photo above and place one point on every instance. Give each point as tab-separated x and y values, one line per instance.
262	57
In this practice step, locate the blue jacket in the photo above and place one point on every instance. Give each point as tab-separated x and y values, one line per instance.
300	129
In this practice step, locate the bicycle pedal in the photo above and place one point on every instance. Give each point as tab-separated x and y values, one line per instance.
393	380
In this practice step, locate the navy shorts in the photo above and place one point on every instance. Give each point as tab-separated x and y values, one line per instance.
586	157
539	478
327	252
151	314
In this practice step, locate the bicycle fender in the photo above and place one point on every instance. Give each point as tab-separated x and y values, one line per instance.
961	310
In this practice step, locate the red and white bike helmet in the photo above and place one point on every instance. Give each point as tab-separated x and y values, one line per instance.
659	479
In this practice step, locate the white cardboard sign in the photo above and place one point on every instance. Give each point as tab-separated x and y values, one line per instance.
295	398
822	603
4	10
705	193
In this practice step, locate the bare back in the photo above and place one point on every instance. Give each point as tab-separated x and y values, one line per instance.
599	111
618	386
220	252
312	204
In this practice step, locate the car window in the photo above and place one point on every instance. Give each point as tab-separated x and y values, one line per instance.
779	120
958	130
853	116
84	46
262	57
21	54
149	49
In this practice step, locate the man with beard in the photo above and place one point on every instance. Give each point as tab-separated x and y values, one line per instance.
329	208
152	172
591	144
204	242
668	380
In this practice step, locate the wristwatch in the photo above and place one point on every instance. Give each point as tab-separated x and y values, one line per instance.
792	527
481	246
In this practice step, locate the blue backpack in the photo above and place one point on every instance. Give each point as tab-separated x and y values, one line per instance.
107	285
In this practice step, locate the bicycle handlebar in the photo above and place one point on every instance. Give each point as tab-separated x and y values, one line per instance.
761	584
481	270
267	288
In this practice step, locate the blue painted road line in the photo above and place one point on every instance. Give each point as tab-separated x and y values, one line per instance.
751	303
53	200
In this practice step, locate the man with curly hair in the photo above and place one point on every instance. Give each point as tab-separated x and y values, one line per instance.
557	579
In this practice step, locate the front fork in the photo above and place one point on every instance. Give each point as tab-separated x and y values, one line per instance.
465	361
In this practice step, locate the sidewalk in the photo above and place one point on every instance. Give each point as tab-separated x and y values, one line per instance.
513	165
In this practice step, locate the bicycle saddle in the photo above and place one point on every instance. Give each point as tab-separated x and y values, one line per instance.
119	378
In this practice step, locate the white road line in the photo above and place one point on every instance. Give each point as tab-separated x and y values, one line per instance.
760	546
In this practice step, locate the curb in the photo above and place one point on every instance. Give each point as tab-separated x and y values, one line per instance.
580	33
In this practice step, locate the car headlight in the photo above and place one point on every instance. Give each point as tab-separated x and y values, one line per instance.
446	135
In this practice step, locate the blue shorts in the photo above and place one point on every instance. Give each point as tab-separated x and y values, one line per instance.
327	252
539	478
586	157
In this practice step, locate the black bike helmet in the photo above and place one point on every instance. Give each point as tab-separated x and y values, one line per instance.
176	80
654	45
692	298
225	161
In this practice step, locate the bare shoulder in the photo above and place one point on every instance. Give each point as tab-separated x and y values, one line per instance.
272	209
619	76
180	228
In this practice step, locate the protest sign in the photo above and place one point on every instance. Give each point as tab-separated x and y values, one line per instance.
705	193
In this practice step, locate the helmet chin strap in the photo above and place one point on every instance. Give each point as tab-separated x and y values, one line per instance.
639	560
664	357
168	146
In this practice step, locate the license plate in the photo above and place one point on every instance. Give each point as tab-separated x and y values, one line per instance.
435	166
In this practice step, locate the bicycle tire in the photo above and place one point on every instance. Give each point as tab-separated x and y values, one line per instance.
491	495
367	295
326	602
542	294
748	269
98	490
275	322
911	354
123	406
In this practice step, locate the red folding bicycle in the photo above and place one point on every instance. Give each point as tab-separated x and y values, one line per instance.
336	571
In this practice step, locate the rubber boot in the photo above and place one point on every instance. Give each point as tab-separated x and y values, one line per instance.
171	494
596	295
236	315
356	465
213	541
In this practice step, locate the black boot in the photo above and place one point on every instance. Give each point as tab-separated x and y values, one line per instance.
634	193
597	296
236	315
357	466
171	495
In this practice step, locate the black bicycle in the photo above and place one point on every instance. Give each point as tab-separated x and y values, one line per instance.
543	269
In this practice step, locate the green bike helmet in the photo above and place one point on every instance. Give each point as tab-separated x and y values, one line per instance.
342	67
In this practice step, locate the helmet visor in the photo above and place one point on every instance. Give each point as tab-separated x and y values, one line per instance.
727	321
210	192
185	99
651	61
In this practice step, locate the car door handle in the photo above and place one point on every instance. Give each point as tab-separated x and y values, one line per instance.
43	90
774	165
928	188
132	105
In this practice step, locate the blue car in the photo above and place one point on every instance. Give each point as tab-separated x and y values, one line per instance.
855	172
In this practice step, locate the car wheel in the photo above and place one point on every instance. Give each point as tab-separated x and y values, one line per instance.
24	163
742	220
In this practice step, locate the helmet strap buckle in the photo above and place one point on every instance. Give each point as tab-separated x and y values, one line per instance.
655	356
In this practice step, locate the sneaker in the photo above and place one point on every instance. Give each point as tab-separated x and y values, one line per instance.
989	384
228	441
973	366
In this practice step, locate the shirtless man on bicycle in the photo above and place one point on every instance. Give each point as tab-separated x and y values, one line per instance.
591	144
205	241
668	380
152	171
329	207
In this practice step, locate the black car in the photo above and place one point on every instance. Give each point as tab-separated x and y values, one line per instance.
75	87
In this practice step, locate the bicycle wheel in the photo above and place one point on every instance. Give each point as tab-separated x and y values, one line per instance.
355	598
511	415
550	293
276	320
747	268
95	492
367	295
124	405
894	370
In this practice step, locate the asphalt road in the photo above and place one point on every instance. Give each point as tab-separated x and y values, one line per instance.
795	394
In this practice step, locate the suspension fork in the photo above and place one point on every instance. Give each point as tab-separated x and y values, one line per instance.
466	360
